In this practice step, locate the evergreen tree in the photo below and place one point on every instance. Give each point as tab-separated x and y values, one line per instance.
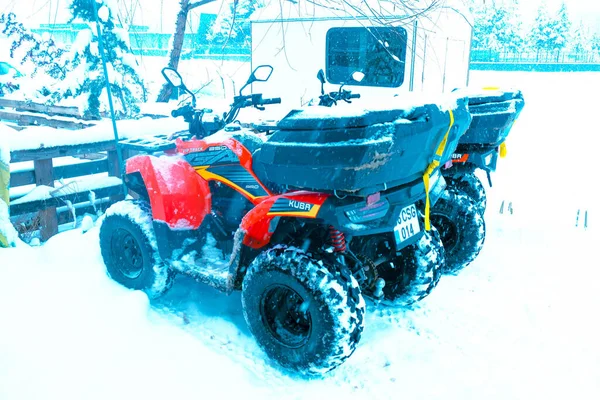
497	26
543	32
580	40
595	42
550	33
86	80
563	27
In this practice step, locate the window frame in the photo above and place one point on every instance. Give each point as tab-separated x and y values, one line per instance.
370	31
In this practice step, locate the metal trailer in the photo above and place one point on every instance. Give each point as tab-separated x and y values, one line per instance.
295	40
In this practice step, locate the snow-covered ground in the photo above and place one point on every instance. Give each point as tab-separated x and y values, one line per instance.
519	323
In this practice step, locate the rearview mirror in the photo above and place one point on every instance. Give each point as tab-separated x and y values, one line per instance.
262	73
173	77
321	76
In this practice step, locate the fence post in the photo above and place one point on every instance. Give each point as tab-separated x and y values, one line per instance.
114	170
44	175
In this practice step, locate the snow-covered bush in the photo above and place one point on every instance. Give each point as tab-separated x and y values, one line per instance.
85	82
34	53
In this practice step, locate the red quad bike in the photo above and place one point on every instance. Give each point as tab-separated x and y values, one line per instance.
232	209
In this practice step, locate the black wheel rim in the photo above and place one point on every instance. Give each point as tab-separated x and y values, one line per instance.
286	316
127	254
395	274
448	231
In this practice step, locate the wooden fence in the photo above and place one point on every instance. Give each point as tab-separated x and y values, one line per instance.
72	184
52	185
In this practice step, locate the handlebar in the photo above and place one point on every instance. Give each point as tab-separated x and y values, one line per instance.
274	100
200	128
330	99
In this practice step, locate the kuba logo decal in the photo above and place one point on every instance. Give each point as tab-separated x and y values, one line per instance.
298	205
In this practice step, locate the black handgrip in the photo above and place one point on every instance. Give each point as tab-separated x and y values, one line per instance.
181	111
354	96
274	100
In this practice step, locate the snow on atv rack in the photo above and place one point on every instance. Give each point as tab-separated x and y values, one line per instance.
360	151
152	144
493	115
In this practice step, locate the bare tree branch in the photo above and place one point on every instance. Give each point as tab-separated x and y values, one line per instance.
235	4
191	6
178	37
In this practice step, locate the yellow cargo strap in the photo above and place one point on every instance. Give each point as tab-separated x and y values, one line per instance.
434	164
503	150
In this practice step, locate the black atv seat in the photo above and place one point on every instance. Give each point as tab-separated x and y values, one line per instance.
323	118
251	142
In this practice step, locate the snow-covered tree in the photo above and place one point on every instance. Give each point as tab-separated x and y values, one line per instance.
550	33
497	26
595	42
563	27
580	42
542	33
232	25
86	82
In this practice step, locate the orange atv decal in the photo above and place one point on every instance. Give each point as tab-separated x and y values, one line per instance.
294	208
209	175
460	158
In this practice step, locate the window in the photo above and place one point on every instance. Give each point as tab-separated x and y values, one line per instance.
380	53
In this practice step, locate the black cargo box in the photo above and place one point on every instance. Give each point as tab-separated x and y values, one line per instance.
359	151
493	116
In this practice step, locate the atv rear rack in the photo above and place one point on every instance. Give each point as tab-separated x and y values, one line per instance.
152	144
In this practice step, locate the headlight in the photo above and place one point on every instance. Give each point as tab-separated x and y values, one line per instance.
488	159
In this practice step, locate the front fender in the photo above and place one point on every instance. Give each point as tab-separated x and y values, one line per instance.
177	194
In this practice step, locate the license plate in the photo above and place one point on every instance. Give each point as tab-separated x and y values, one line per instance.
408	224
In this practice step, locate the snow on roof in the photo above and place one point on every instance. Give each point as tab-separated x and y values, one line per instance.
277	10
41	136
